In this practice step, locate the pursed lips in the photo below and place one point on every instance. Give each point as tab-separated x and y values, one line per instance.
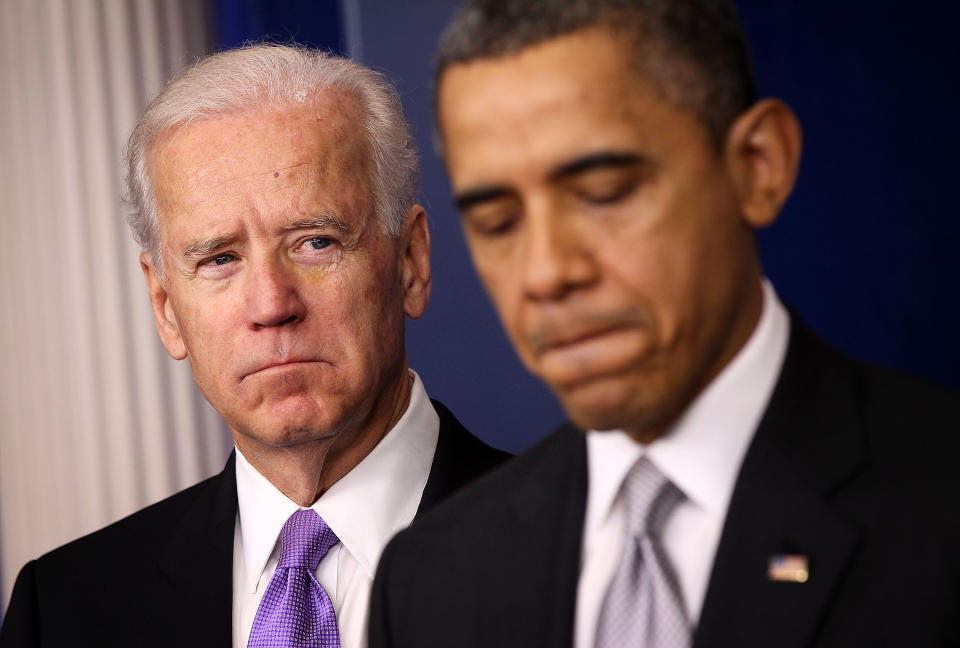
582	356
276	364
558	339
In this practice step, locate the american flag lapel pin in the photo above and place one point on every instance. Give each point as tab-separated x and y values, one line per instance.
788	568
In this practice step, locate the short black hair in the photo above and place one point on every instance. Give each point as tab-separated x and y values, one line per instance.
695	50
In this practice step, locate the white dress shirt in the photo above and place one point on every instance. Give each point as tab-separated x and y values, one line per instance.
365	508
701	455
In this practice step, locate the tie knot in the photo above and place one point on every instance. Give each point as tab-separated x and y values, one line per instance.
649	498
304	540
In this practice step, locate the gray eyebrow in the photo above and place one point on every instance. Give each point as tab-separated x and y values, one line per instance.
318	222
204	246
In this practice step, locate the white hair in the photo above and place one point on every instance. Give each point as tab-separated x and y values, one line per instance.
259	76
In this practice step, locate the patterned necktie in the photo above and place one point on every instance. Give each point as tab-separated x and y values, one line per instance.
295	611
642	606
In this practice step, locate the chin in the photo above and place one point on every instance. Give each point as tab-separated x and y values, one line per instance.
612	405
285	428
288	436
601	413
597	418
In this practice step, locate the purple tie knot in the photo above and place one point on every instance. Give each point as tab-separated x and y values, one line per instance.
295	610
304	540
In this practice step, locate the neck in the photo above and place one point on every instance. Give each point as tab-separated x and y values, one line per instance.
304	471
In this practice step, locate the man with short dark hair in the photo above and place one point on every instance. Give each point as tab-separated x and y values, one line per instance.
275	201
727	479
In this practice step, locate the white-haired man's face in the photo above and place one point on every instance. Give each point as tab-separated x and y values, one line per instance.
279	284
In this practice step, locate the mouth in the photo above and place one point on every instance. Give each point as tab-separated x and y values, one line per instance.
568	340
584	355
274	367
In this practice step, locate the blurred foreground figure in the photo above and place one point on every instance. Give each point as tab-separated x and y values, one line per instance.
275	192
727	478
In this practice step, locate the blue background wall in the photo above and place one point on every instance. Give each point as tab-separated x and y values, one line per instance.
865	250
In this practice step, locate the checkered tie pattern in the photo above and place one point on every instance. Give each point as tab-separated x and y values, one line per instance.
295	611
642	606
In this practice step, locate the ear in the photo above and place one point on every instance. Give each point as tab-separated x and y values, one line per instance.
415	262
163	313
762	154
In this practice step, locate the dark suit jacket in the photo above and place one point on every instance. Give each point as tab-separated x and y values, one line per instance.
163	576
852	466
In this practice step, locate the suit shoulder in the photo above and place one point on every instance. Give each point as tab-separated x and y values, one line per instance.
912	424
460	444
487	500
137	532
888	401
907	428
507	531
890	391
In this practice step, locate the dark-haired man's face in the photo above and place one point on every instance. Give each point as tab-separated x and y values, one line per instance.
604	225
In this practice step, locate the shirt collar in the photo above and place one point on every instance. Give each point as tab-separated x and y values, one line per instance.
703	451
365	508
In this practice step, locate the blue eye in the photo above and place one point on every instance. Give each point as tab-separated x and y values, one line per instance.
318	242
223	259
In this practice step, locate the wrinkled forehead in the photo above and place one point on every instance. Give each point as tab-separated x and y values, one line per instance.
325	133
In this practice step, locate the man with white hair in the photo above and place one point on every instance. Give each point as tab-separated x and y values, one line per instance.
274	193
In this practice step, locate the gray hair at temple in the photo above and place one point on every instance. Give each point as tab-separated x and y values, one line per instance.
694	51
258	76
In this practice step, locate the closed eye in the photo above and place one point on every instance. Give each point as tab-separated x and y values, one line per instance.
491	225
604	177
605	195
493	216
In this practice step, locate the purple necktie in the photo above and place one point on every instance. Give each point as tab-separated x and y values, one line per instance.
295	611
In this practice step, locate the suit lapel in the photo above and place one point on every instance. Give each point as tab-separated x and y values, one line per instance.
806	446
460	458
548	513
198	562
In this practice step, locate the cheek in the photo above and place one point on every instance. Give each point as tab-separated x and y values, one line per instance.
366	305
335	315
682	250
208	343
648	257
208	323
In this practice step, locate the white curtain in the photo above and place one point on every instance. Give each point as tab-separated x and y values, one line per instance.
96	420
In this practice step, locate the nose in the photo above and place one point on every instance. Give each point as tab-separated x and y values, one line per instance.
558	257
273	298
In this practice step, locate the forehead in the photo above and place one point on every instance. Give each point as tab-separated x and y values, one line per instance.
227	152
550	100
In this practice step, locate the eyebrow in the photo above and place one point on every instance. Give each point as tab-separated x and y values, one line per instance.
203	246
319	222
471	197
601	160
